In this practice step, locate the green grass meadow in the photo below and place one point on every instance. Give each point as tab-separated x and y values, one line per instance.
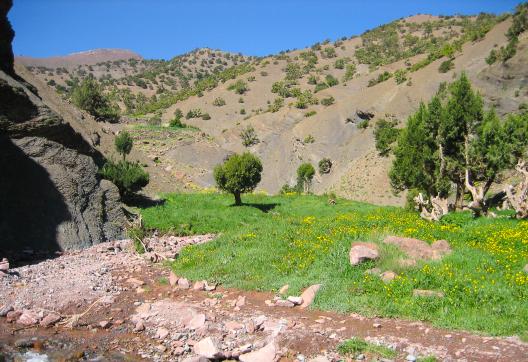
302	240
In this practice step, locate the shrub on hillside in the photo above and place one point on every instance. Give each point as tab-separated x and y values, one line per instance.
349	72
327	101
89	97
249	137
239	87
446	66
331	80
219	102
325	165
238	174
123	143
305	174
129	177
193	113
385	134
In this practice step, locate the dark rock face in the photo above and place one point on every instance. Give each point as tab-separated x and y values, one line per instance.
6	37
51	195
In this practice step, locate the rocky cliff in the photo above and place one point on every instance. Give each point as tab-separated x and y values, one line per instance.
51	196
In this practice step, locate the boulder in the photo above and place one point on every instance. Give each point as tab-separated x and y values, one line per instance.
173	279
5	309
388	276
28	318
308	295
418	249
207	348
295	300
284	303
50	320
4	265
199	286
361	252
265	354
183	283
427	293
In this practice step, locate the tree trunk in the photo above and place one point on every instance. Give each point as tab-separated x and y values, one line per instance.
518	196
459	201
238	199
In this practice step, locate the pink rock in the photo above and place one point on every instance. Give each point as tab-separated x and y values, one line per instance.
135	282
4	265
308	295
250	327
295	300
284	289
183	283
162	333
5	309
28	318
139	327
210	287
13	315
241	301
388	276
173	279
284	303
233	326
198	321
199	286
265	354
50	320
361	252
207	348
104	324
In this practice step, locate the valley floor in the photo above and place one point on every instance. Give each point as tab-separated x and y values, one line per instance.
120	306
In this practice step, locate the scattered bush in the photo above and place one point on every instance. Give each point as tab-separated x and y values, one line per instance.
312	80
129	177
327	101
238	174
193	113
305	99
305	174
277	104
219	102
363	124
382	77
492	57
340	63
400	76
320	86
206	116
310	113
331	80
249	137
243	111
123	143
89	97
446	66
154	121
287	189
329	52
239	87
385	134
309	139
349	72
325	166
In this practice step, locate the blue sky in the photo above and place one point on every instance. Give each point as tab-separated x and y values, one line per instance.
164	28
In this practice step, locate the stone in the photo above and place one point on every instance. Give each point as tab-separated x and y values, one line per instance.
233	326
173	279
376	325
373	271
308	295
139	327
28	318
259	321
13	315
410	358
250	327
427	293
207	348
135	282
388	276
5	309
418	249
361	252
284	289
295	300
241	301
162	333
319	359
210	287
4	265
284	303
104	324
183	283
50	320
265	354
197	321
199	286
196	359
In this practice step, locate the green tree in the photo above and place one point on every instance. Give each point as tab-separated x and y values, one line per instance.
123	144
305	174
129	177
385	134
238	174
89	97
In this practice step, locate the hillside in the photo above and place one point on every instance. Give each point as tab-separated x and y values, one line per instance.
383	73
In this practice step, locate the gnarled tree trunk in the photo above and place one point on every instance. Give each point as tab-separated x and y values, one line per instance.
518	195
432	209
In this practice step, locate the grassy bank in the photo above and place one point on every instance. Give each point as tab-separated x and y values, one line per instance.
302	240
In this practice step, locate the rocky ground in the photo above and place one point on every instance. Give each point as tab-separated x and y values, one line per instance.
109	303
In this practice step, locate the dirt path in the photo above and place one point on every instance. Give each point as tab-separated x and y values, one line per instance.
137	315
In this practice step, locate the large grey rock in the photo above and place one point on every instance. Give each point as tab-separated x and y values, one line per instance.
53	198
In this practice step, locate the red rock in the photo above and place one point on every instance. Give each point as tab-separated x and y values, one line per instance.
295	300
183	283
388	276
135	282
162	333
139	327
250	327
173	279
241	301
207	348
233	326
13	315
265	354
284	303
28	318
196	322
104	324
199	286
361	252
50	320
308	295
